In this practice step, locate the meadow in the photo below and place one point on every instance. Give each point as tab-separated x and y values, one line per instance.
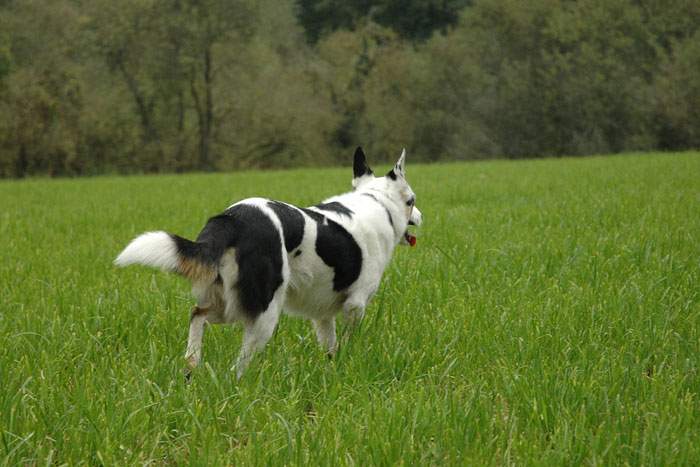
549	314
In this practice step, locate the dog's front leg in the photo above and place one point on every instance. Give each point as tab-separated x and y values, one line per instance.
325	332
256	334
353	314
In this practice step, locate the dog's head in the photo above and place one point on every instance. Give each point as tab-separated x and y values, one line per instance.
393	188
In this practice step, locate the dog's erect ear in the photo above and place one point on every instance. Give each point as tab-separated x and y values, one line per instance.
399	168
359	166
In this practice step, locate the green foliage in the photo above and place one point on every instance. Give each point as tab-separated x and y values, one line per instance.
549	315
160	86
539	78
181	85
678	96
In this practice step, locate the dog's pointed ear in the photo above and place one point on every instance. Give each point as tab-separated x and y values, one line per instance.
399	168
359	166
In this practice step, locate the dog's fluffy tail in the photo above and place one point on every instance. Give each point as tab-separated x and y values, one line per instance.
170	253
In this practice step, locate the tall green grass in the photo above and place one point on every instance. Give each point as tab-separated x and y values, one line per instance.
550	314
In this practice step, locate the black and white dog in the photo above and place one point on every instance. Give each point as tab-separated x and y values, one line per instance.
260	257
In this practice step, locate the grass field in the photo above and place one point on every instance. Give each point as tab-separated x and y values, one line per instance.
550	314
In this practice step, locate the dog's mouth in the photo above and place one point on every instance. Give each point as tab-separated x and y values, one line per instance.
408	237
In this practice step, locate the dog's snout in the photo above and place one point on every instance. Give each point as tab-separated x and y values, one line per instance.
416	217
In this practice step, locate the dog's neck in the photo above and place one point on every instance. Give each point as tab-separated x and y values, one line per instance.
378	197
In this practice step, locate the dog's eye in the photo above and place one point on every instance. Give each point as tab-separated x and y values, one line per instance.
411	201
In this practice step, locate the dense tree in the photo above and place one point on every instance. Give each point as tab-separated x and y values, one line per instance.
546	77
677	93
172	85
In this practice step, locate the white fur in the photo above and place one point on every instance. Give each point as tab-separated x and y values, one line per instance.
156	249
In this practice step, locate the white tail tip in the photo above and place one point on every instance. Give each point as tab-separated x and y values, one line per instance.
156	249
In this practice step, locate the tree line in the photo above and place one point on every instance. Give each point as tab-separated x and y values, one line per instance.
96	86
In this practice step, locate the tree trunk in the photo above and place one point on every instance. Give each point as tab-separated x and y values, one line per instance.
209	110
205	110
145	111
21	165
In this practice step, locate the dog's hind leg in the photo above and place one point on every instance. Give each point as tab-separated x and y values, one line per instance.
256	335
325	332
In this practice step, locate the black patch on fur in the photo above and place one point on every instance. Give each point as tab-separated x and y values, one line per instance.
359	166
297	253
316	216
258	254
335	206
391	174
292	223
338	250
